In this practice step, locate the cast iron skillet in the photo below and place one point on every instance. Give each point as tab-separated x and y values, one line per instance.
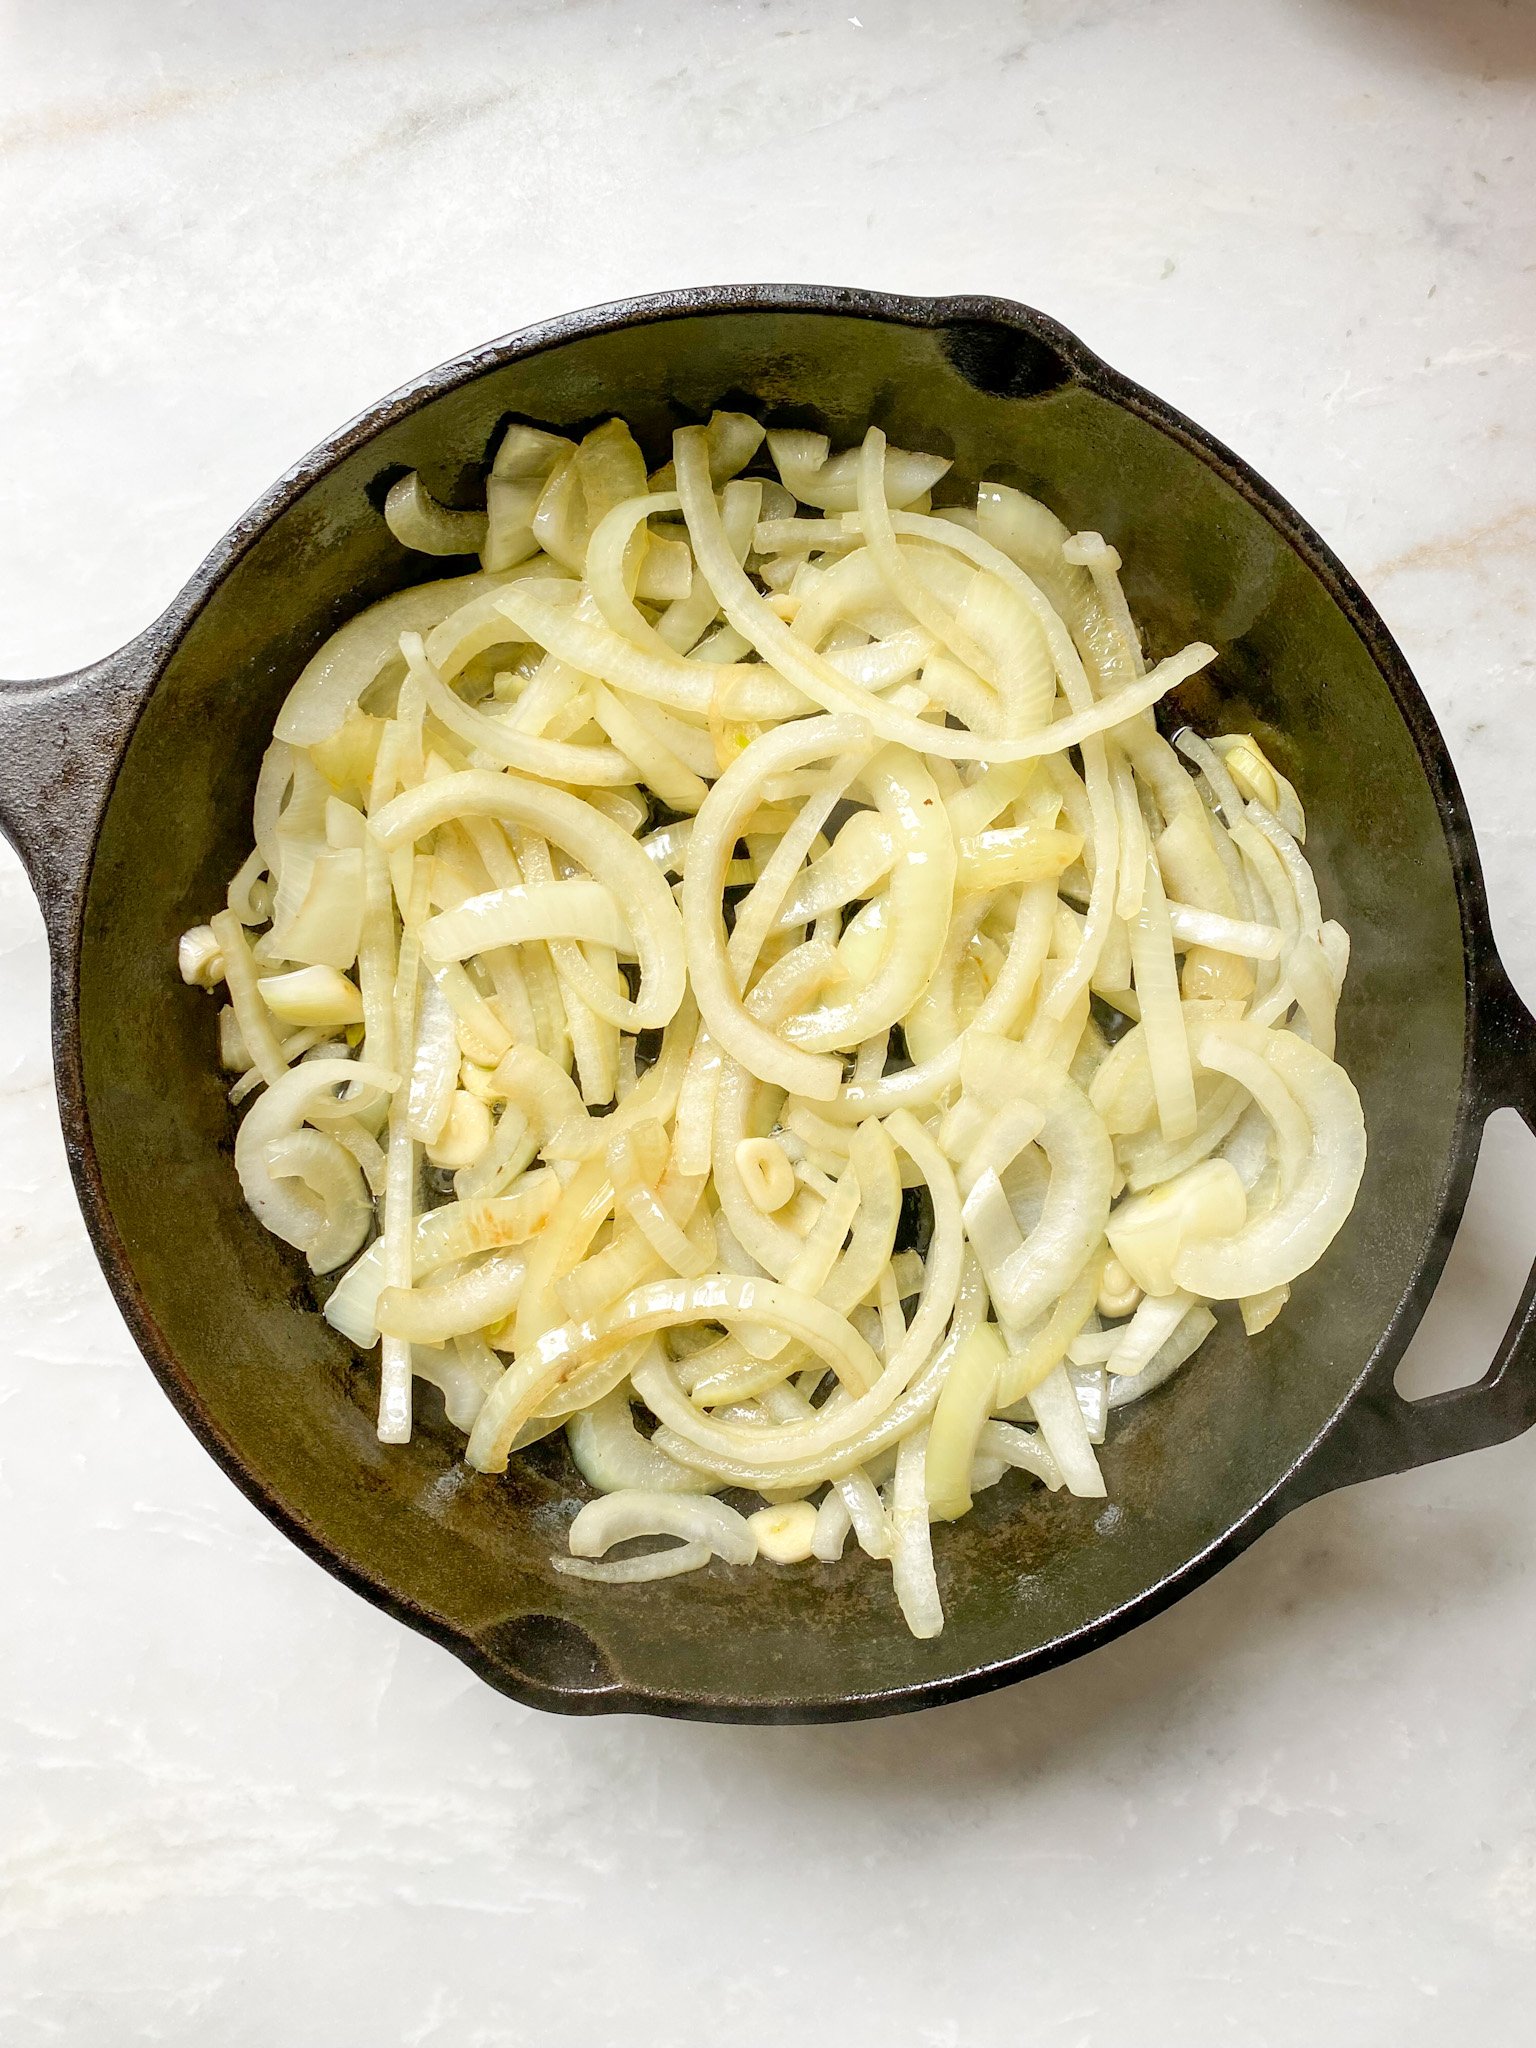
126	788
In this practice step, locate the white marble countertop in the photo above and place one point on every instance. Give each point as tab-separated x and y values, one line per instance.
242	1808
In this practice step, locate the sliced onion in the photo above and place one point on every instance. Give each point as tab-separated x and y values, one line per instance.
1162	1015
893	904
747	610
716	830
1024	1449
549	614
602	847
671	1563
434	1066
357	655
1155	1320
1223	934
917	904
575	909
1149	1231
343	1204
611	1454
554	760
325	929
692	1517
1186	1340
1032	1272
967	1399
312	1225
917	1587
560	1354
832	485
1055	1405
1278	1246
418	521
464	1373
478	1299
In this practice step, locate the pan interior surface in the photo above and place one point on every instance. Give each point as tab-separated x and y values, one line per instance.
228	1311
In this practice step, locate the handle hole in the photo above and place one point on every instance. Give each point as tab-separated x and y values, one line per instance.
1488	1266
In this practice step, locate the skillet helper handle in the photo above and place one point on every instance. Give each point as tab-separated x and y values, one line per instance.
60	744
1380	1432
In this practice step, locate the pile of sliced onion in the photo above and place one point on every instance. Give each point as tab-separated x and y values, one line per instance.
742	979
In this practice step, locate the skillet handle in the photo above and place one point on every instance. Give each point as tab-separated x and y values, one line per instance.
61	741
1380	1432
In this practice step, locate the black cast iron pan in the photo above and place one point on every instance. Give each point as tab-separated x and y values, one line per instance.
126	788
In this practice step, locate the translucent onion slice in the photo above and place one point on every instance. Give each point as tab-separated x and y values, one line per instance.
615	554
747	610
442	1237
1155	1320
478	1299
1186	1340
967	1399
1260	1310
1031	535
1009	633
357	654
573	909
434	1066
833	1523
343	1202
1162	1015
1223	934
1026	1274
807	1445
862	854
917	904
919	1086
1239	1051
1015	853
662	769
716	829
601	846
917	1589
312	995
692	1517
802	460
305	1221
522	465
1056	1409
463	1372
555	617
419	522
671	1563
733	439
326	927
1278	1246
1024	1449
554	760
1147	1232
611	1454
561	1354
1035	1353
257	1035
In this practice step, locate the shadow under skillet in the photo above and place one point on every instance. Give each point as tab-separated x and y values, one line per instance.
1486	39
1362	1571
